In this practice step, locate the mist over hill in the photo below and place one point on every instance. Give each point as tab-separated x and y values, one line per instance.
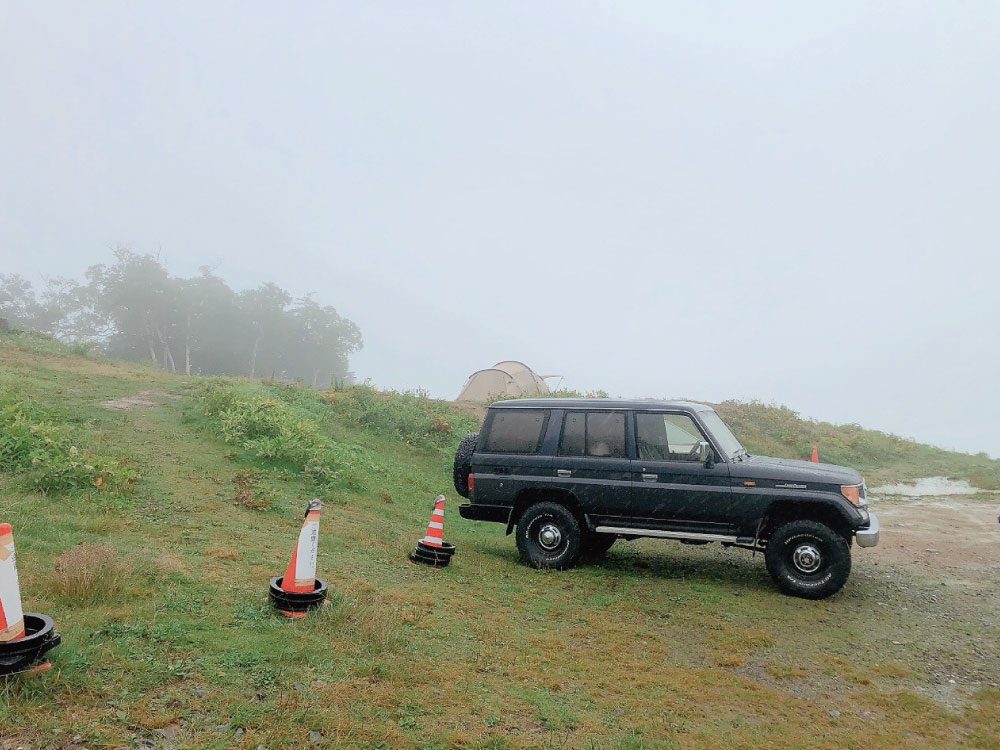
135	309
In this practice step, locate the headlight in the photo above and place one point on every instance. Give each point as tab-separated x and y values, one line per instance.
853	493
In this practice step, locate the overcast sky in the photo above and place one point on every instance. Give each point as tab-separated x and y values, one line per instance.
794	202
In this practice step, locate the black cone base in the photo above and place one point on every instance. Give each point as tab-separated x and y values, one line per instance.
438	557
294	603
26	653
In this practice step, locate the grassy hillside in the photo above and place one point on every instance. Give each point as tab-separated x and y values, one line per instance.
881	458
158	586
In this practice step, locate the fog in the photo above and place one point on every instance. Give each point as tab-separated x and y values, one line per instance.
782	201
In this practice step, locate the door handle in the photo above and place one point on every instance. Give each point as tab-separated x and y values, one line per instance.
650	477
564	473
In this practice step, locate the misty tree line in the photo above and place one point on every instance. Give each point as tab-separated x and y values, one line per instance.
134	309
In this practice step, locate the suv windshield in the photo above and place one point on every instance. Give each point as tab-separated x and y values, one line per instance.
723	435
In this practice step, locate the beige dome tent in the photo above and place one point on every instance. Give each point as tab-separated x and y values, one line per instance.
508	378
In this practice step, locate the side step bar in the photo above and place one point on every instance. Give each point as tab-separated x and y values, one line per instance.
666	534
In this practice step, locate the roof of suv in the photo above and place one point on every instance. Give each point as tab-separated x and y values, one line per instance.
600	403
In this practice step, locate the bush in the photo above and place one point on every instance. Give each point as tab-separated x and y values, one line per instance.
269	428
412	416
49	455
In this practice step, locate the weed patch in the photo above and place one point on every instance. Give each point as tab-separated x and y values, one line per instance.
247	491
268	428
53	457
88	573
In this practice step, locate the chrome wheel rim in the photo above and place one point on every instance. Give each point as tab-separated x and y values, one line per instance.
806	558
549	536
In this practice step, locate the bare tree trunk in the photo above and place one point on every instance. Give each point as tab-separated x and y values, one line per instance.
152	351
187	347
168	358
253	356
315	377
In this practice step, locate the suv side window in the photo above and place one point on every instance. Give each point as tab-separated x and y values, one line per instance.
593	433
516	430
667	437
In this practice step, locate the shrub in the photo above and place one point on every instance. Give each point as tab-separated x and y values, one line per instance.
50	455
411	416
269	428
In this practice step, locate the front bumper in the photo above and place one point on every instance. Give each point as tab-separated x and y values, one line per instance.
868	537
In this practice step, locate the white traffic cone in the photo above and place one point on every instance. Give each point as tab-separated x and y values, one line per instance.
11	614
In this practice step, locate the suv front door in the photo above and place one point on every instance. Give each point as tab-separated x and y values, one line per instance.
672	490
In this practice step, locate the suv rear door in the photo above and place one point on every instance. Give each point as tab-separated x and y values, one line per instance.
671	489
592	463
509	455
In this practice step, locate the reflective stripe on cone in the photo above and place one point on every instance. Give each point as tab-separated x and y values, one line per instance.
435	528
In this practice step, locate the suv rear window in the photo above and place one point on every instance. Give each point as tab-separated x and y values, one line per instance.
516	431
593	433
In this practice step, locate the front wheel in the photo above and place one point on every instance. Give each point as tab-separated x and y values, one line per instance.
808	559
548	536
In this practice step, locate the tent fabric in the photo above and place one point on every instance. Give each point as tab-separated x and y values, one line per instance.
508	378
524	376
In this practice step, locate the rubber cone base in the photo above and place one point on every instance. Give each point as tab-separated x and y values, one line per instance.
428	554
25	654
292	604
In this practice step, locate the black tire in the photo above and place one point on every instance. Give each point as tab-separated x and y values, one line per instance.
557	521
790	559
595	545
463	463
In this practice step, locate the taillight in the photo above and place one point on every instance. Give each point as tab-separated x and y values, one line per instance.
472	483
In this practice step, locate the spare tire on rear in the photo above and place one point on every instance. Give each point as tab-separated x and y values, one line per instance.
463	463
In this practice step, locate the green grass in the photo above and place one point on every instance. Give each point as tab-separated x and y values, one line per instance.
658	646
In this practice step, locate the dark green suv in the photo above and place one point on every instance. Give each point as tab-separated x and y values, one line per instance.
574	475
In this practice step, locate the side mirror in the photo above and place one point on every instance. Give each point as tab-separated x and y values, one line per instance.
705	454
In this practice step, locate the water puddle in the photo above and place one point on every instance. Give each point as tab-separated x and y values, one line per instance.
927	487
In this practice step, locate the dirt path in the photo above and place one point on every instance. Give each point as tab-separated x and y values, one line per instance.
140	400
949	538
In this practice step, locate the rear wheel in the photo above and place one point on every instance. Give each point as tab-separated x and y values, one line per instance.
548	536
463	463
808	559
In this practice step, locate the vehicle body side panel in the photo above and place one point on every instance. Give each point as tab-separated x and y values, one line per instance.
601	486
685	496
499	477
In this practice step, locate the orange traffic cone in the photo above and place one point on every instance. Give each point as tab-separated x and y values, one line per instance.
435	527
300	575
298	590
433	549
25	637
815	456
11	614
